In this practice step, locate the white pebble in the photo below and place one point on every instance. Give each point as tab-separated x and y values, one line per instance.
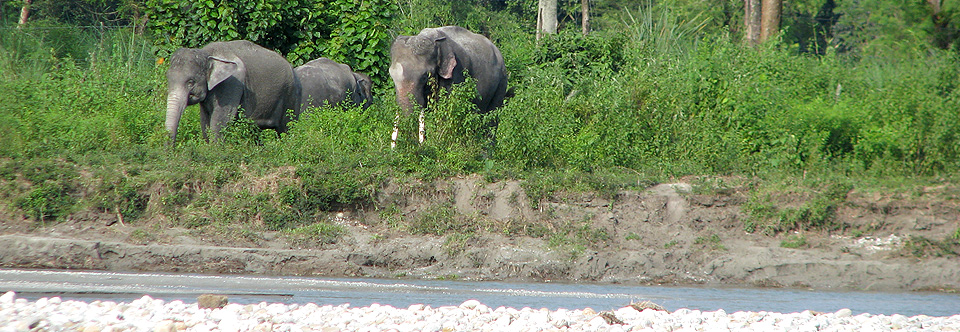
844	312
8	297
469	304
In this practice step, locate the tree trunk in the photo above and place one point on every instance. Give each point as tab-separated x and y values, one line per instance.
585	7
24	13
935	5
770	19
942	37
752	22
546	18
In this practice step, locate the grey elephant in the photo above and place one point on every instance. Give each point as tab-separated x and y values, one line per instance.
324	81
224	77
445	54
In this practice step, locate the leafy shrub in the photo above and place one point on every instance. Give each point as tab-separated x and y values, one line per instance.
713	242
52	190
440	219
49	200
794	241
816	212
343	30
124	196
919	246
323	233
581	58
457	136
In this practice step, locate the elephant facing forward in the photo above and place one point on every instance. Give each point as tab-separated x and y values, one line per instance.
445	54
224	77
324	81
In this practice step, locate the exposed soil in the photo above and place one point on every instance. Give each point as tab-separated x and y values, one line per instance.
663	235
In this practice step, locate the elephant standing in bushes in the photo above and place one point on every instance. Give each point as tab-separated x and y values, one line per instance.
445	54
225	76
324	81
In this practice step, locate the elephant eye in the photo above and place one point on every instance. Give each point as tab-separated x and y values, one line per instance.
191	82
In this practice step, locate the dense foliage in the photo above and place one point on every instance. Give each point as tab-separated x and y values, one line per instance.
657	90
343	30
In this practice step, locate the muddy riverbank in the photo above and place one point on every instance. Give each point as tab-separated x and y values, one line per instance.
666	234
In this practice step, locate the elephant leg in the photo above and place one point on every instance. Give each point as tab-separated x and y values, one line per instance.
205	121
225	102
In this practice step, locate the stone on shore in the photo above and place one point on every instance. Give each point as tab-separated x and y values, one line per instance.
211	301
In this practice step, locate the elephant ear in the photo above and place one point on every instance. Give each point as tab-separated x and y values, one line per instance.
446	59
221	69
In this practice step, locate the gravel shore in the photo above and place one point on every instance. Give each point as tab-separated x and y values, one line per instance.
148	314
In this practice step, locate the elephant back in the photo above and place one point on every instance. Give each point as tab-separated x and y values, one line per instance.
268	79
325	81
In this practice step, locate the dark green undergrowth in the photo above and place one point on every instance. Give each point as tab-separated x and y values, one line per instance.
81	117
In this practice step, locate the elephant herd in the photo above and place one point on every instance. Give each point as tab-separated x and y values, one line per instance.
227	77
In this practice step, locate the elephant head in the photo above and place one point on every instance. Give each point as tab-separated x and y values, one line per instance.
417	59
191	76
364	94
444	55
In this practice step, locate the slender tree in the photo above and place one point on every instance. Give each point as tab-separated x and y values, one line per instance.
761	20
546	17
942	36
585	19
24	13
770	19
752	22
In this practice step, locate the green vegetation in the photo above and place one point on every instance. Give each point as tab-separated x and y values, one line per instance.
451	277
457	243
575	237
794	241
713	242
321	232
919	246
302	30
818	210
658	90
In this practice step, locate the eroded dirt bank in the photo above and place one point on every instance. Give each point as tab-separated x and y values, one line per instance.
663	235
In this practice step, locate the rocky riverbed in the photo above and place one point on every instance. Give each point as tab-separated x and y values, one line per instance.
148	314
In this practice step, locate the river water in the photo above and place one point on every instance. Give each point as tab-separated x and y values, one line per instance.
125	287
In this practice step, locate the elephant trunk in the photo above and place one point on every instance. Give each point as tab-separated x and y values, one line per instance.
405	101
176	103
408	105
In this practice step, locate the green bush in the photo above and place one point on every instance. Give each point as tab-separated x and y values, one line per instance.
343	30
817	210
439	219
794	242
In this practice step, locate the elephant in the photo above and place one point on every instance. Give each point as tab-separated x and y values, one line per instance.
445	54
324	81
225	76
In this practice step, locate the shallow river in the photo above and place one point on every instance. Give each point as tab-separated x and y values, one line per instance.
93	285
